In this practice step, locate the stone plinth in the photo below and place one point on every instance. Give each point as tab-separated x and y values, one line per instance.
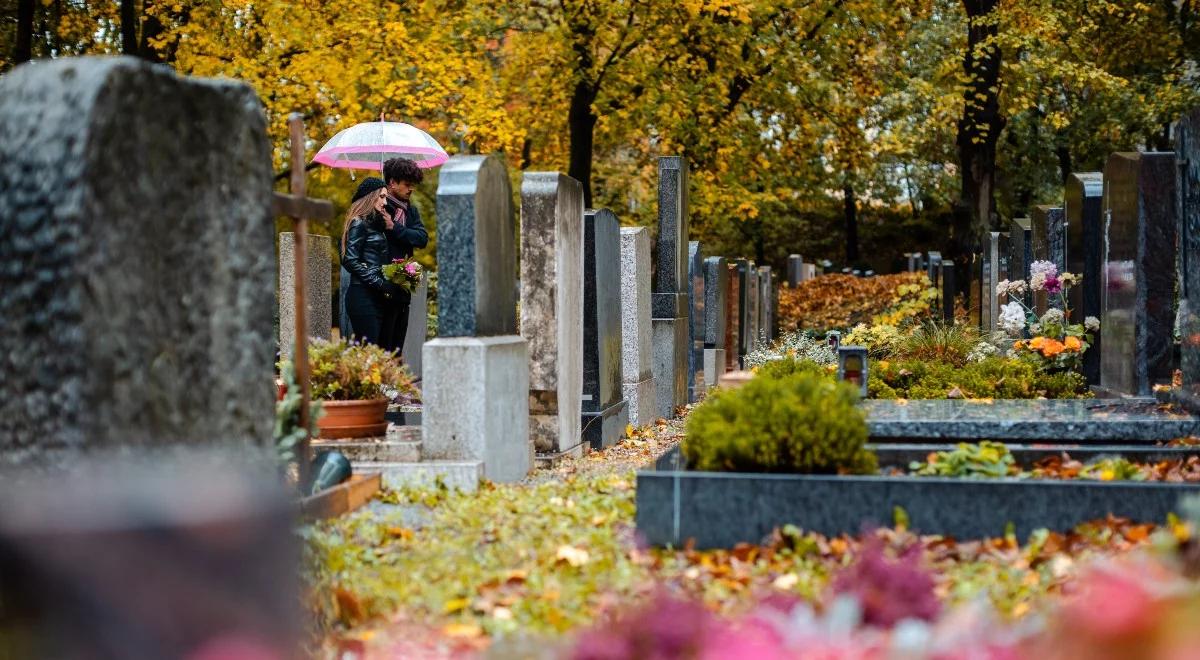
1083	198
604	411
733	314
669	303
552	308
1137	322
476	396
476	248
318	289
637	377
1048	230
418	327
123	324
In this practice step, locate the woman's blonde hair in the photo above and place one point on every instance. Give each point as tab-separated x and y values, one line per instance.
359	209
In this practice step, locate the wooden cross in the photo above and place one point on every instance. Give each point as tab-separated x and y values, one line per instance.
301	209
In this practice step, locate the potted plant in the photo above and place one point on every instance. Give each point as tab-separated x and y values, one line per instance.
353	381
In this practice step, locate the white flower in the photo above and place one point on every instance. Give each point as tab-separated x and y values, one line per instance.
1012	318
1091	323
1045	268
981	351
1015	288
1052	315
1037	281
1035	328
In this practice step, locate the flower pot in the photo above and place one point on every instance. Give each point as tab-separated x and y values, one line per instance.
353	419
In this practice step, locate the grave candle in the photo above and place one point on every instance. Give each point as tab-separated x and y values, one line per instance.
852	367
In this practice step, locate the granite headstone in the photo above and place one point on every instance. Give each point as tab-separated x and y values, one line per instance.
1187	152
733	318
124	325
605	413
1049	230
1083	200
637	378
669	304
1020	251
795	270
696	322
716	309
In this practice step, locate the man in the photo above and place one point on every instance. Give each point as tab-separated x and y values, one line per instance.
405	233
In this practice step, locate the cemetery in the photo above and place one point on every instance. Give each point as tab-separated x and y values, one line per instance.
405	367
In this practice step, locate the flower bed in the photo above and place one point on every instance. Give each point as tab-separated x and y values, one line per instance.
838	302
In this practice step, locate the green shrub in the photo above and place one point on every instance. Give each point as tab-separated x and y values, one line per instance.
990	378
939	341
785	367
804	422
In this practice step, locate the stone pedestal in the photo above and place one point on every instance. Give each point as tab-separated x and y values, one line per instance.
136	310
669	362
318	288
637	377
552	308
1138	320
476	404
418	328
1083	198
604	411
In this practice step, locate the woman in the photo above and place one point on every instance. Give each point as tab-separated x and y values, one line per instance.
364	253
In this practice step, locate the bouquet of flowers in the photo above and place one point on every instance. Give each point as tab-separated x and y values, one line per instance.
403	272
1055	343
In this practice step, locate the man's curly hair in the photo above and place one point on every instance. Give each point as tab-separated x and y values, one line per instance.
402	169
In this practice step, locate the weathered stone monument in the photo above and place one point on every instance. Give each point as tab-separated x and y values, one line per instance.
1187	153
1083	198
1048	229
696	322
552	308
637	378
476	385
716	309
669	304
1138	316
124	325
604	411
319	289
733	318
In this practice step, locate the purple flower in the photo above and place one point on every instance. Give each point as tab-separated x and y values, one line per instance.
1053	285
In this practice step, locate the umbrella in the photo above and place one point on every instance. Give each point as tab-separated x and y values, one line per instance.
365	146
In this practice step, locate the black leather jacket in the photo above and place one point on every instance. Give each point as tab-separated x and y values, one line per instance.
366	254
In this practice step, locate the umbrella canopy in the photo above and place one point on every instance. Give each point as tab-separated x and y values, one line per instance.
366	146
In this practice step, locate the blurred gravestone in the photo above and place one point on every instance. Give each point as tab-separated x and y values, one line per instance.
716	288
1020	251
795	270
1187	151
1138	316
318	290
418	327
137	310
669	303
1083	198
1048	229
733	318
696	301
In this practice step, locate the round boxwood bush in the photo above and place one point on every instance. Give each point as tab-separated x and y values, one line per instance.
804	423
788	366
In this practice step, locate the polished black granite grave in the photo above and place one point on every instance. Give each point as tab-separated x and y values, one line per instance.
1071	421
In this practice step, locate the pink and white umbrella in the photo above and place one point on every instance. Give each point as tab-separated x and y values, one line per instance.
365	146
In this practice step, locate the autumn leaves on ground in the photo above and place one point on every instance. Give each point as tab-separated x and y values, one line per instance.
437	574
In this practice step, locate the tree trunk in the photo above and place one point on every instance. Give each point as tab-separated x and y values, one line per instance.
581	124
23	49
979	129
129	27
1064	162
152	29
850	209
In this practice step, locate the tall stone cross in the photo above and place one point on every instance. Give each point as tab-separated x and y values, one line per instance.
301	209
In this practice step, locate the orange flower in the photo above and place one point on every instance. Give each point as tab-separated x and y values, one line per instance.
1036	343
1018	345
1073	343
1052	347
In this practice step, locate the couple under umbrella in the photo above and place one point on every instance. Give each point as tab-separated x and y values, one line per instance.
381	225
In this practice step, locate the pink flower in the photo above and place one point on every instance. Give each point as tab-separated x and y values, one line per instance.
1053	285
411	268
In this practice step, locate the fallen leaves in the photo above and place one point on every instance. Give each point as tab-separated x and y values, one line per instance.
572	555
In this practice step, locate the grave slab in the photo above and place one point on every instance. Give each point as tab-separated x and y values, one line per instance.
123	325
1078	421
552	303
637	377
605	413
318	289
1083	198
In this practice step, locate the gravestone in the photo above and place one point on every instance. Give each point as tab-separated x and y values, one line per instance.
605	413
765	297
795	270
124	325
1020	251
1187	152
749	329
696	322
949	291
933	270
1049	230
733	318
1083	199
992	271
476	384
637	378
552	308
914	261
974	291
1137	321
319	289
669	304
716	309
418	327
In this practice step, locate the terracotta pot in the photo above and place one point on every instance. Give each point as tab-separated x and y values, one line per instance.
353	419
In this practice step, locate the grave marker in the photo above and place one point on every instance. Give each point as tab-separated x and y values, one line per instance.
716	291
695	293
1020	250
733	318
637	376
605	413
669	305
318	289
1187	152
795	270
1048	226
1083	199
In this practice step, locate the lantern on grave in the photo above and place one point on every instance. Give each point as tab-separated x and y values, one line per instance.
852	367
834	340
